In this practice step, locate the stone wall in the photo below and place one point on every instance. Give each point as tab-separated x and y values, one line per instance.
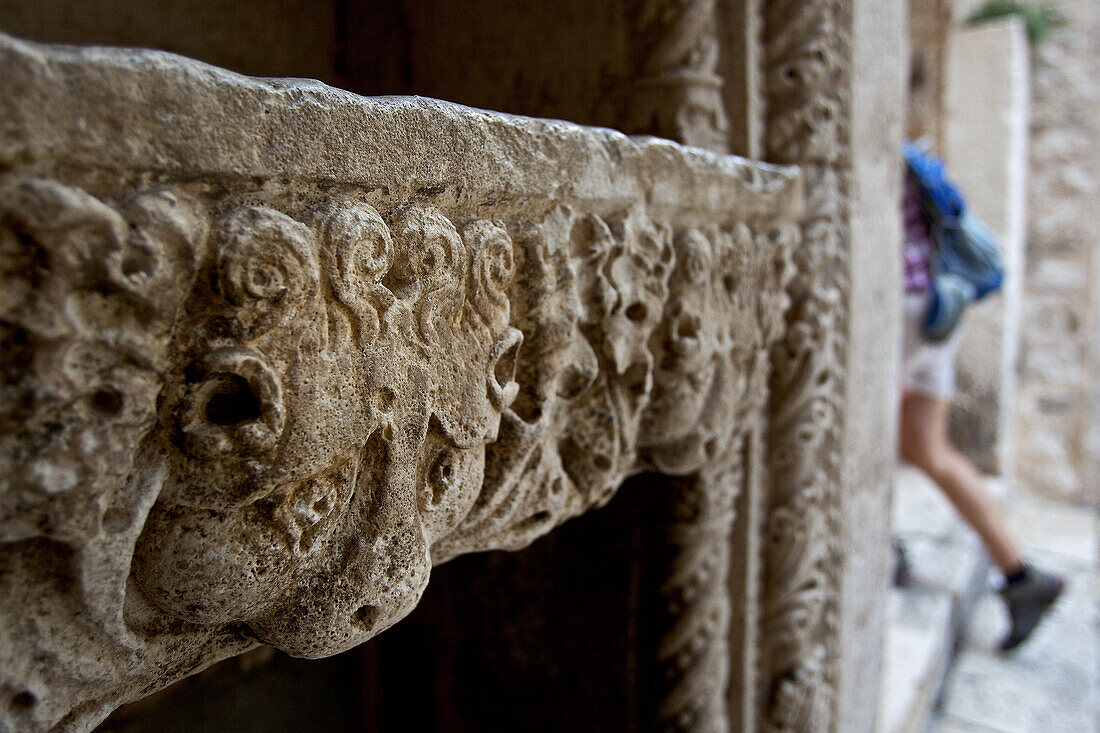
1053	442
877	122
928	27
1057	427
985	145
968	102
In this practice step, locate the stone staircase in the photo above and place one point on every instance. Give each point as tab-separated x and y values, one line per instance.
1052	683
924	620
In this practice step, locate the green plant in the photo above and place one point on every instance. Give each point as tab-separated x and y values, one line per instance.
1038	17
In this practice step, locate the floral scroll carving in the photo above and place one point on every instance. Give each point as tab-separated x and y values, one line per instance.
808	101
239	422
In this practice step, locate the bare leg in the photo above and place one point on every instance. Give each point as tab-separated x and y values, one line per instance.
924	443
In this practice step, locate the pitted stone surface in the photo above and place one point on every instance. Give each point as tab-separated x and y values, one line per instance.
272	350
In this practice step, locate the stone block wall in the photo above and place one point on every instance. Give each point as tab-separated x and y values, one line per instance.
1054	445
968	101
985	145
1058	442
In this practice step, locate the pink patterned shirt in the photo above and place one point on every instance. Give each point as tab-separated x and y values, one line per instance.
919	247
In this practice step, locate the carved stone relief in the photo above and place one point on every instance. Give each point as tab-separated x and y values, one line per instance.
260	409
676	90
807	99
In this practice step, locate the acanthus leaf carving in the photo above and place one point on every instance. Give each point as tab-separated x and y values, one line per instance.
807	58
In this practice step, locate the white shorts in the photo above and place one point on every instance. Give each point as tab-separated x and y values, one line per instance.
927	368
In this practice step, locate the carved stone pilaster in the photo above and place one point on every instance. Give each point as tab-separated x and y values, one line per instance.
741	67
676	91
806	72
694	652
272	351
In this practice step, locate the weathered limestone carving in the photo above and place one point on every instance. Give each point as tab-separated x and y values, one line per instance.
695	650
304	420
255	390
676	90
806	58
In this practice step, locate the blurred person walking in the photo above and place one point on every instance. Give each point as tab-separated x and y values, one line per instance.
933	306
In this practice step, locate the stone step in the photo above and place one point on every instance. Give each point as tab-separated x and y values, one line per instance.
1051	683
925	619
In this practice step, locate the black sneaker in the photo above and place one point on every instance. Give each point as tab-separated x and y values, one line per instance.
1027	601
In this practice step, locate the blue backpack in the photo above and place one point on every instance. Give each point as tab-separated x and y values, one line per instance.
967	265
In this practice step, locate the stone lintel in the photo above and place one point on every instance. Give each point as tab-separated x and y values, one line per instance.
273	350
138	110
